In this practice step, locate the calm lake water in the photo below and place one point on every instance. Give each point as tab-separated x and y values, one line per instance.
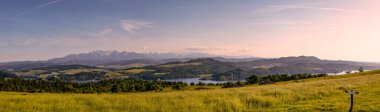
344	72
196	80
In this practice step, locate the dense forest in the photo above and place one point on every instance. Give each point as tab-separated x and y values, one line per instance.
80	76
105	86
7	75
230	71
189	69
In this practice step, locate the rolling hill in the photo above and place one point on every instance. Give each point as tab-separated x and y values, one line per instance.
218	70
24	65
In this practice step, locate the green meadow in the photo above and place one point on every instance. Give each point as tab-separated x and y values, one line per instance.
317	94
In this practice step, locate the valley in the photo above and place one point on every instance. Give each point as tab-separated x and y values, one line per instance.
206	68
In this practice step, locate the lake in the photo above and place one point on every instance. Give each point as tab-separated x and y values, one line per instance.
196	80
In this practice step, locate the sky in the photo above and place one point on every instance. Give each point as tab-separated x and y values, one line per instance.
328	29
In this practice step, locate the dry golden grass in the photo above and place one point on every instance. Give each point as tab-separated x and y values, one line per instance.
320	94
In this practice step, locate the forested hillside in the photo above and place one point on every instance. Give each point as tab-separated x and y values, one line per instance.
205	68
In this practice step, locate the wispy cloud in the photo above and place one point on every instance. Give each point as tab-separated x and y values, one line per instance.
240	52
106	31
132	25
301	25
49	42
37	7
315	8
277	8
202	49
284	22
243	50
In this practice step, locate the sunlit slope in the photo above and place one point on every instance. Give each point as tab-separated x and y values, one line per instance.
320	94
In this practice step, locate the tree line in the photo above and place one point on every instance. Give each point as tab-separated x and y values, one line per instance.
7	75
255	79
103	86
10	82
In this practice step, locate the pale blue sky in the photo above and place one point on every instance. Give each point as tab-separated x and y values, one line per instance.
330	29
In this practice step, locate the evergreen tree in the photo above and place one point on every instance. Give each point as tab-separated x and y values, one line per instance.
361	69
254	79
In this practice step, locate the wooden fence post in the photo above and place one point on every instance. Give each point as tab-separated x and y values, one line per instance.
350	92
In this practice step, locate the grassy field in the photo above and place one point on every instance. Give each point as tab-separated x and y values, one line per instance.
137	70
30	73
75	71
319	94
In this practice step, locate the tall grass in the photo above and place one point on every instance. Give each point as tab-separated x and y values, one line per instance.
320	94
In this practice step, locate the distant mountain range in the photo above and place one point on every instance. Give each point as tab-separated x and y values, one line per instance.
101	57
116	59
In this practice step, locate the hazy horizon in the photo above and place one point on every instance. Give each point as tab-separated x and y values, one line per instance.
216	55
335	30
